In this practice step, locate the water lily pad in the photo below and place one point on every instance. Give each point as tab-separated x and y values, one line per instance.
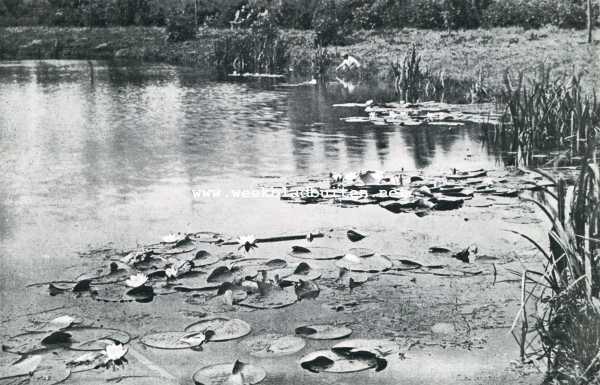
294	274
229	373
355	236
111	293
21	368
58	323
317	252
444	203
117	272
195	281
295	278
273	297
225	329
361	252
331	362
129	380
52	370
323	332
174	340
274	345
95	338
378	347
373	263
33	342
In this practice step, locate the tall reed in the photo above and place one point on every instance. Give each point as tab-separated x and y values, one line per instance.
546	114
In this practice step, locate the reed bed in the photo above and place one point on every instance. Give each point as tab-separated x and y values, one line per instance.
546	115
414	82
565	328
261	49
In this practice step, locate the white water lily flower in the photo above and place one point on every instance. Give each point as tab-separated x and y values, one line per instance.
171	272
115	352
137	280
228	298
248	242
114	355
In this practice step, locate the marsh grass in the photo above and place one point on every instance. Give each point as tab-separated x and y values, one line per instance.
545	114
565	330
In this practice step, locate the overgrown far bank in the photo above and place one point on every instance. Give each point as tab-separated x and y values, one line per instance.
468	54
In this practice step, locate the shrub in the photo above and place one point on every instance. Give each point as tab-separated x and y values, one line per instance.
426	14
535	14
295	14
327	26
181	26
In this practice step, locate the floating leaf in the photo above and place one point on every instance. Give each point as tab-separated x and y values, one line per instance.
32	342
274	297
355	236
323	332
224	329
379	347
229	373
59	323
302	271
52	370
399	206
331	362
174	340
373	263
444	203
95	338
274	345
361	252
320	253
436	249
220	274
23	367
195	281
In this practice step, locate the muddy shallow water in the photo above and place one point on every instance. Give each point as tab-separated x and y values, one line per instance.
116	160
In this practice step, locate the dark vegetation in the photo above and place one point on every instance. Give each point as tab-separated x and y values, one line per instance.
547	114
331	19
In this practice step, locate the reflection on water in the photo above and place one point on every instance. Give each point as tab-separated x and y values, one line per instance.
125	151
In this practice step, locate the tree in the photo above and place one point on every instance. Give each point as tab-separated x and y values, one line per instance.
590	11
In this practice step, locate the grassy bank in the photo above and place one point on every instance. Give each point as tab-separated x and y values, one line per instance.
462	54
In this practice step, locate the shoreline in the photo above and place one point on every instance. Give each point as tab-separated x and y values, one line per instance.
461	55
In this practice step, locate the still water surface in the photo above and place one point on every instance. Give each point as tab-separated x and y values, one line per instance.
115	160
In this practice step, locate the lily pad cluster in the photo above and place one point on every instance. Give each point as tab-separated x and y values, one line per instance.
50	352
403	192
424	114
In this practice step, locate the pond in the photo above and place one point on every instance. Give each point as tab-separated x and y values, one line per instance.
99	153
117	159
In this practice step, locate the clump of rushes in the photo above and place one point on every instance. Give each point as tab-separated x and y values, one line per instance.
408	76
262	49
414	82
546	115
566	329
321	61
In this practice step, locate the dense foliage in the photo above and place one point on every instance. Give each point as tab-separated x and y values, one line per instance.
332	19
